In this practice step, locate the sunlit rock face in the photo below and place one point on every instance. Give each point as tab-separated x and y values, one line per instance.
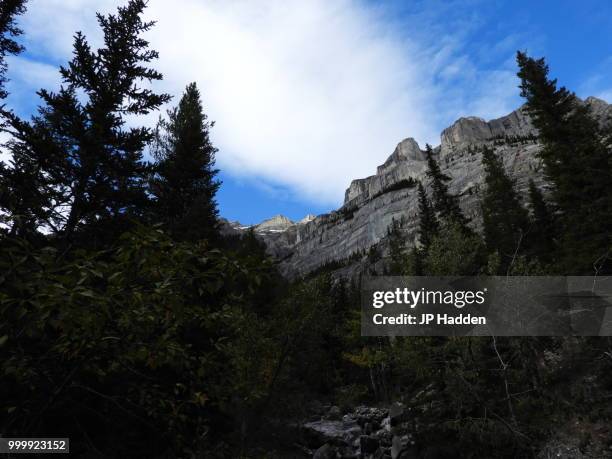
371	204
476	131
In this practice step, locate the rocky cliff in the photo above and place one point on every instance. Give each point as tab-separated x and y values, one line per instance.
372	204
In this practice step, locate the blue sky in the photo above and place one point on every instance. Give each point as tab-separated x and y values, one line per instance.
309	94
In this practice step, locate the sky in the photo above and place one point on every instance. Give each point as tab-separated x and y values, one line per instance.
307	95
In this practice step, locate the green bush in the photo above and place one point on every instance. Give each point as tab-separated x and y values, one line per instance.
141	346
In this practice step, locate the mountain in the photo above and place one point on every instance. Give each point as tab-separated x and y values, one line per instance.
278	223
371	204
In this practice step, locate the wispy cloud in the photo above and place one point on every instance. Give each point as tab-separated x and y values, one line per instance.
598	84
306	94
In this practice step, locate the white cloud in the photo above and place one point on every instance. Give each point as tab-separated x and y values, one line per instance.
306	94
605	95
5	156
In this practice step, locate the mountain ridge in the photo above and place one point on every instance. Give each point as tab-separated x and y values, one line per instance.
373	203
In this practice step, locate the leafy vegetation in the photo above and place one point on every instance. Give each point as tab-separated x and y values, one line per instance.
130	325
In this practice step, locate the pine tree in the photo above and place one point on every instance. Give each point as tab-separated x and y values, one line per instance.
428	223
185	184
414	265
16	201
9	9
577	163
446	204
541	239
504	219
88	165
397	249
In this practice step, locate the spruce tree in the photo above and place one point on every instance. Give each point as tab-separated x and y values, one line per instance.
397	249
504	219
577	163
446	204
185	183
88	165
541	239
9	9
428	223
414	265
14	206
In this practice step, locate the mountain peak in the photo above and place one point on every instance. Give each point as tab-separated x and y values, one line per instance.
307	218
275	224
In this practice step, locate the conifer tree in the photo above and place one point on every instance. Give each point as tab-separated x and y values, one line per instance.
414	263
88	166
504	219
577	162
446	204
428	223
185	184
541	239
9	9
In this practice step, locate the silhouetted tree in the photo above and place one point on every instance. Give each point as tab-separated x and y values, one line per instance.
542	236
185	184
446	204
504	219
397	249
428	223
86	164
577	161
9	9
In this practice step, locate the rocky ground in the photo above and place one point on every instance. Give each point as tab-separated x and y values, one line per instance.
389	433
365	432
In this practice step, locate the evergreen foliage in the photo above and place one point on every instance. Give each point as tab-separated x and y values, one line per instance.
397	249
134	328
84	166
428	223
577	161
184	184
504	219
445	204
453	252
9	10
541	240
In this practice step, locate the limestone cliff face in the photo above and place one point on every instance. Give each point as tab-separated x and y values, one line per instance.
277	223
371	204
476	131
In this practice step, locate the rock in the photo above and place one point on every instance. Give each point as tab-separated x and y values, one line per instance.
308	218
403	448
278	223
386	425
407	149
325	452
472	131
371	204
396	447
334	413
368	444
397	413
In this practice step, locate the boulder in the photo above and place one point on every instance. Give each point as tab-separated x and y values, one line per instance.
397	413
325	452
